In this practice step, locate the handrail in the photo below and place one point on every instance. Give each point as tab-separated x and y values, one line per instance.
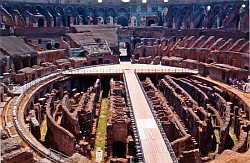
172	154
18	127
140	158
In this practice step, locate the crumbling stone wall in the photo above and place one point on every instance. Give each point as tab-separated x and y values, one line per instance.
177	133
120	141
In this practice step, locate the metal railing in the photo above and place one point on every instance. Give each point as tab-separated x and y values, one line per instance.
97	71
172	154
170	70
52	157
135	130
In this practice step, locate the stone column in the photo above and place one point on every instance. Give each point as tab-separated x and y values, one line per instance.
71	21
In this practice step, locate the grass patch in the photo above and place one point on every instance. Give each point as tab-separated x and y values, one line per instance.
217	135
43	128
101	128
233	136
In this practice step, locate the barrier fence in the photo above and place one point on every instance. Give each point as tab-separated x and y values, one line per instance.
172	154
139	150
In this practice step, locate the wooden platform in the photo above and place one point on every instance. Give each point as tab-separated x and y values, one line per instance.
153	145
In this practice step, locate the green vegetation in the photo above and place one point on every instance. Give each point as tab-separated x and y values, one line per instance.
43	128
217	135
233	136
102	123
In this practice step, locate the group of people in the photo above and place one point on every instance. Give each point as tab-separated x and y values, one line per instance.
239	84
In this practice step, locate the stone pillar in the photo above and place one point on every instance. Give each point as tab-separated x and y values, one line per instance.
115	21
71	21
45	23
80	20
27	21
52	22
192	25
165	22
218	22
173	26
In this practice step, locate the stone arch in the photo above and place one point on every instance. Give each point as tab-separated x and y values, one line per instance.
111	12
69	11
184	10
217	9
49	9
6	7
90	12
227	7
17	7
91	15
59	10
174	10
150	22
80	11
122	10
100	11
39	8
27	8
123	21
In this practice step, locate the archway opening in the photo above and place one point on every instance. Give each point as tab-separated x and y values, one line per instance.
123	21
40	22
49	46
57	45
150	22
119	149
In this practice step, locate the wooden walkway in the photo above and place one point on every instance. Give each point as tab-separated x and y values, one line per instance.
153	145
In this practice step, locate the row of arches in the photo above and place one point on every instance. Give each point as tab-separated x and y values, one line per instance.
182	16
91	11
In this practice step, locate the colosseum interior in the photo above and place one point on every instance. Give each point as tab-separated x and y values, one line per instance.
122	81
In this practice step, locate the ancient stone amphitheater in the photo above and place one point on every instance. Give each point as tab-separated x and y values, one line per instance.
124	81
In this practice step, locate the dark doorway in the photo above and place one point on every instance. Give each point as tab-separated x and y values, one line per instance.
210	61
100	60
49	46
223	76
68	21
123	21
57	45
119	149
33	61
93	62
150	22
40	22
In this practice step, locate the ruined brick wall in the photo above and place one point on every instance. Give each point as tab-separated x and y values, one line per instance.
119	129
181	141
185	107
57	137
